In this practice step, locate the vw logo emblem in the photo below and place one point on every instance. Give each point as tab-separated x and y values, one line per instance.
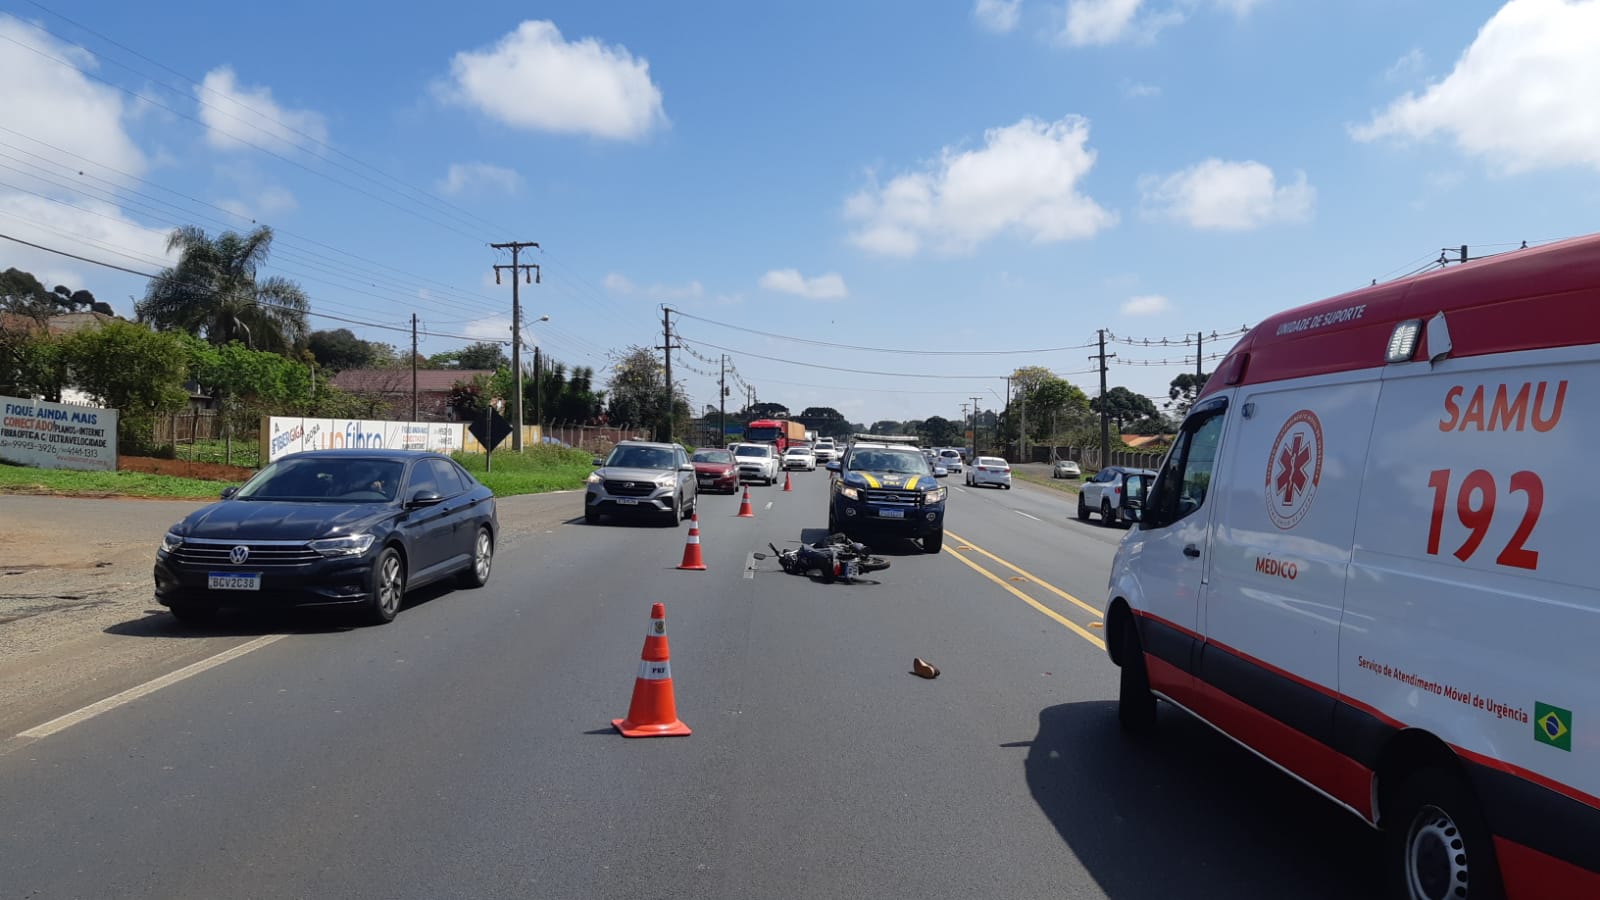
239	554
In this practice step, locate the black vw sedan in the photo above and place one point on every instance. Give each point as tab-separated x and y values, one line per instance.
352	528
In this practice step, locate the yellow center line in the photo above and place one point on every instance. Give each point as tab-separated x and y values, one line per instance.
1029	575
1071	625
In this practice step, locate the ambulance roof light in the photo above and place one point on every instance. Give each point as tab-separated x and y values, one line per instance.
1403	342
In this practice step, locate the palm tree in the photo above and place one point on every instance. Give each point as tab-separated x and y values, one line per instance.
213	292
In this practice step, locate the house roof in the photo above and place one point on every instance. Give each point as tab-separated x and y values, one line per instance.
1138	441
398	380
68	323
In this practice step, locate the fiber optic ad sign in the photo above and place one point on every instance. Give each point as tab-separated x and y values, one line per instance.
58	435
283	435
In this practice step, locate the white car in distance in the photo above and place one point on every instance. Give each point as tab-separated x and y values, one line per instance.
757	462
800	458
989	470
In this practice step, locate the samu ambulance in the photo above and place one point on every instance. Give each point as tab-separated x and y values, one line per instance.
1371	558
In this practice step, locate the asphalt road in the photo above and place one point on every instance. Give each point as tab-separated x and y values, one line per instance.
465	750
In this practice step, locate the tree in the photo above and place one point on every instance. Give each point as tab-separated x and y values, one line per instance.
1122	406
247	384
132	369
638	389
340	349
885	426
1055	405
1153	425
941	432
769	411
213	292
481	355
1185	389
821	412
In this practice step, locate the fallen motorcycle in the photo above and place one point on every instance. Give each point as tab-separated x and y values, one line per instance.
835	558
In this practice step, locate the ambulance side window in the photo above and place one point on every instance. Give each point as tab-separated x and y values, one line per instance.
1180	490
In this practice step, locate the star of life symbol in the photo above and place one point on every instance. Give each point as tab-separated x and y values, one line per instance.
1294	469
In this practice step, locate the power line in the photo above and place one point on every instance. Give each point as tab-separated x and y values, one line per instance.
793	362
909	352
253	301
1187	340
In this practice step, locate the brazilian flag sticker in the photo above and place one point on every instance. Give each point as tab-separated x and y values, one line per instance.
1552	725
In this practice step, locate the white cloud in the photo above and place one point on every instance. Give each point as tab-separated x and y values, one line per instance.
1522	95
89	227
618	283
790	281
533	79
1147	305
1406	67
465	176
1024	181
1228	196
1136	89
1102	22
491	328
57	105
998	16
237	116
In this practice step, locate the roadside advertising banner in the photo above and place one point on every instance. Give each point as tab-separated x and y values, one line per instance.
58	435
283	435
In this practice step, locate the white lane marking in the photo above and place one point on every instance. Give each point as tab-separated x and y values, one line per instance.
769	504
1021	513
750	565
149	687
961	489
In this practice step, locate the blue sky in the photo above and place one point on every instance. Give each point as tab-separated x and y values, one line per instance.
951	176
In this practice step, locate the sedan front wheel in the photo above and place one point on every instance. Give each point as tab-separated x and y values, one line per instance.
388	587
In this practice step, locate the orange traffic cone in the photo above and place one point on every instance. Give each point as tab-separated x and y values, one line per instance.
691	547
745	512
786	485
653	711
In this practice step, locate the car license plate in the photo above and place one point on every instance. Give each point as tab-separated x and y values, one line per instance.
705	481
892	513
233	581
628	502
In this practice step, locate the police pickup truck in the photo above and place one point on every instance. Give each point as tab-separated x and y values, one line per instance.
881	488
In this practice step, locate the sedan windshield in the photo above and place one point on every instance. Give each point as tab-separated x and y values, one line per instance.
713	456
905	462
326	480
640	458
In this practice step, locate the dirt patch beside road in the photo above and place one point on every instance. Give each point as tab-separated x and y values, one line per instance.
183	468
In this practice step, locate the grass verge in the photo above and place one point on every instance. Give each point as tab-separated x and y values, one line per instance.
536	470
66	483
1064	485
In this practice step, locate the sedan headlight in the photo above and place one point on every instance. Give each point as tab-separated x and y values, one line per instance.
171	541
935	496
850	492
345	545
594	478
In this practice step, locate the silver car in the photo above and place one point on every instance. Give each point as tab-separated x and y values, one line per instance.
642	478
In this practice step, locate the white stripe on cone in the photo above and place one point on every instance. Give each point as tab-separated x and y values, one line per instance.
655	671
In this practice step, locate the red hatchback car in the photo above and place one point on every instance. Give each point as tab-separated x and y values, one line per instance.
715	470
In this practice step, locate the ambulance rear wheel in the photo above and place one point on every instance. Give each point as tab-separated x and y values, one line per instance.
1136	706
1437	844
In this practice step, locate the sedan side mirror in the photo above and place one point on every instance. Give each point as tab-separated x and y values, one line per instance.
425	498
833	465
229	491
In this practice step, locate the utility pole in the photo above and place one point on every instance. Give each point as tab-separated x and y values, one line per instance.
975	401
527	270
1008	409
1199	358
1105	413
538	390
722	402
667	347
413	367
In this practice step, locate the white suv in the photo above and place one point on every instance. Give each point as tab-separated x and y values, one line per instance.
950	459
757	462
825	449
1104	492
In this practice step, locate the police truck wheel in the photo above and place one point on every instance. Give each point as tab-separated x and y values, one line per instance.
1436	843
1106	517
1136	706
1083	510
933	543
